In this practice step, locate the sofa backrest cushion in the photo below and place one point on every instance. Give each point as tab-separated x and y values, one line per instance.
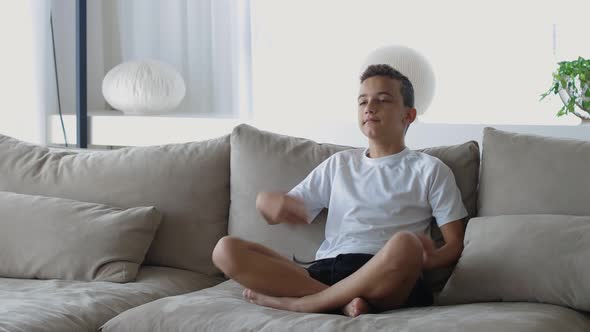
54	238
188	183
529	174
264	161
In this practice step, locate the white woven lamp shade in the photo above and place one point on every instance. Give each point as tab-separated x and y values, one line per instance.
413	65
143	87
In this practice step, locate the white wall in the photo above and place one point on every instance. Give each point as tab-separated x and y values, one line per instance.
24	69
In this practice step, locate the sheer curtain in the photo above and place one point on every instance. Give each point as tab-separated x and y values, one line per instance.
27	88
208	41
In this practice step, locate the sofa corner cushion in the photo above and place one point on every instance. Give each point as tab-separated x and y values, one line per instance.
187	182
54	238
523	258
531	174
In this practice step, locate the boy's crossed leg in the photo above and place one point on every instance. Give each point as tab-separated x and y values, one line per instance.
261	269
273	280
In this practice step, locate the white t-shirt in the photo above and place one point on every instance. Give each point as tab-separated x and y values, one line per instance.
370	199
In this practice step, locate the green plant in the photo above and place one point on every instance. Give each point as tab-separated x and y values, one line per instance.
573	77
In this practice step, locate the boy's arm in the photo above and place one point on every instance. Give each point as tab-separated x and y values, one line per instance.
277	207
453	233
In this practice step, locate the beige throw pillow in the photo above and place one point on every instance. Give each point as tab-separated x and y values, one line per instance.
54	238
524	258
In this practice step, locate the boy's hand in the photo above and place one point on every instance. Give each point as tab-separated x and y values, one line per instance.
429	247
279	208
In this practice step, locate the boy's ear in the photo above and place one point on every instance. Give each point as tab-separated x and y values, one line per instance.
411	115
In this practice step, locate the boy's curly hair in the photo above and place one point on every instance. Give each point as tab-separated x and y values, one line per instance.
407	89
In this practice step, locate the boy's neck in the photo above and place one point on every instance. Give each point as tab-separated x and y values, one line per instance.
377	150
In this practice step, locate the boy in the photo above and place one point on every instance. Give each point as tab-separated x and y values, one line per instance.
380	202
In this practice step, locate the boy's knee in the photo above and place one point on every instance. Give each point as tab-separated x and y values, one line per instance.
405	248
405	239
224	254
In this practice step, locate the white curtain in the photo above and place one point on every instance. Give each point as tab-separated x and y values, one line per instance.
208	41
27	83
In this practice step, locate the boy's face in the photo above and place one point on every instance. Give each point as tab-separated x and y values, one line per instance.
382	115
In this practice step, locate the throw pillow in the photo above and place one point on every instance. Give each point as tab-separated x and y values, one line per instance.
54	238
523	258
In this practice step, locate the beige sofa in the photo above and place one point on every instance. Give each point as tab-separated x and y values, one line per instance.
524	267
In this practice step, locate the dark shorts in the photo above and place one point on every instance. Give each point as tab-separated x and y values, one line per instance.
331	270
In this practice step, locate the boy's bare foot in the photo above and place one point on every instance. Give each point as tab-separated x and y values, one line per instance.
358	306
284	303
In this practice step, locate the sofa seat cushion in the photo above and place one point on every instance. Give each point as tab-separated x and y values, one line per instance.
56	305
222	308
